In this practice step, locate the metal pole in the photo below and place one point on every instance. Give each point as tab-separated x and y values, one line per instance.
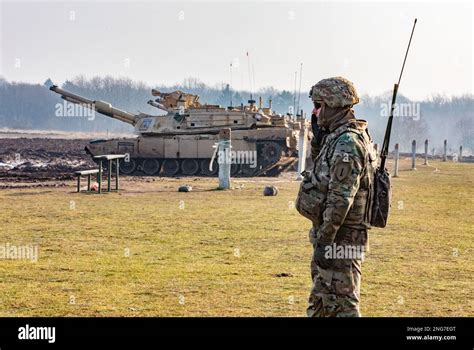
79	183
99	177
426	152
413	155
305	139
117	161
396	161
224	158
445	156
303	135
109	175
460	153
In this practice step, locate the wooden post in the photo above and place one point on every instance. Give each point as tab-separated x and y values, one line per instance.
99	177
88	182
224	156
426	152
413	155
395	173
445	155
79	183
302	148
460	154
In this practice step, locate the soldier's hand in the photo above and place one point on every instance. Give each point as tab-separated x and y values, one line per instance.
320	256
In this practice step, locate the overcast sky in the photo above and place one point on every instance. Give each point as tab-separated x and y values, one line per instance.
164	43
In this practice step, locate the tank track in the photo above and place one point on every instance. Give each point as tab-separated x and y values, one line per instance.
271	161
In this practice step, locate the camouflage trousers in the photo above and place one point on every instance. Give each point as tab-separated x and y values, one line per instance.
335	291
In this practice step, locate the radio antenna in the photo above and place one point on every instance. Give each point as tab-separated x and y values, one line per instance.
294	95
299	90
386	140
250	78
230	87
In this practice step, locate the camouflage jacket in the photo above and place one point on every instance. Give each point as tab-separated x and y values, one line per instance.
343	176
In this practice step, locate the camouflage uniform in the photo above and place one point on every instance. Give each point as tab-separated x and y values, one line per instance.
342	184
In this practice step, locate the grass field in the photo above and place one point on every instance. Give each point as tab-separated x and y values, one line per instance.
151	251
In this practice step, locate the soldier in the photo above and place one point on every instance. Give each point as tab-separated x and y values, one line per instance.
336	196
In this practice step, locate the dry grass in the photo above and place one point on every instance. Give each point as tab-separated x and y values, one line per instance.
229	253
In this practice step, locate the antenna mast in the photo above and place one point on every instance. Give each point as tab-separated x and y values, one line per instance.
388	131
294	95
299	91
250	78
230	87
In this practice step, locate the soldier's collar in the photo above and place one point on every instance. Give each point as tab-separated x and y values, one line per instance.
344	118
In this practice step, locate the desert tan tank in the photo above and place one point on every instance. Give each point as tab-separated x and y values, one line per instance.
183	140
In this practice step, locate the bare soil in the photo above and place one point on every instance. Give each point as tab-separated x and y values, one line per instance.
35	160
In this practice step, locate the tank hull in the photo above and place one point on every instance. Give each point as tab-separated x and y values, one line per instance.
255	152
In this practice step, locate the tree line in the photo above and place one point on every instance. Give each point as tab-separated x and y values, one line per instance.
33	106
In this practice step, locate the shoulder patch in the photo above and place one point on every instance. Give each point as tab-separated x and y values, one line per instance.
342	170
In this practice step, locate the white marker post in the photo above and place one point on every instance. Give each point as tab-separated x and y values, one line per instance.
302	148
395	172
224	158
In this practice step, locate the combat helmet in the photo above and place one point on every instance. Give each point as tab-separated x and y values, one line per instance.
335	92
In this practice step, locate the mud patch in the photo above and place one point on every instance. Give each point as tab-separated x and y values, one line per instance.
26	160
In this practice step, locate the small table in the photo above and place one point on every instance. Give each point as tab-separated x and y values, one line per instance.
84	173
110	158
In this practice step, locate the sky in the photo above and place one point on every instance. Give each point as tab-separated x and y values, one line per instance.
163	43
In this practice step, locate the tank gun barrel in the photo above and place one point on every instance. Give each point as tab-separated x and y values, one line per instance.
102	107
157	105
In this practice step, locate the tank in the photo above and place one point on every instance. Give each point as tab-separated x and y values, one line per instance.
183	140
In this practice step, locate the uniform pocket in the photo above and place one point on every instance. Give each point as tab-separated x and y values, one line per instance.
357	213
309	202
323	281
344	282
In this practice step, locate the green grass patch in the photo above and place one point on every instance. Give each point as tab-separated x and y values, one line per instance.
151	251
